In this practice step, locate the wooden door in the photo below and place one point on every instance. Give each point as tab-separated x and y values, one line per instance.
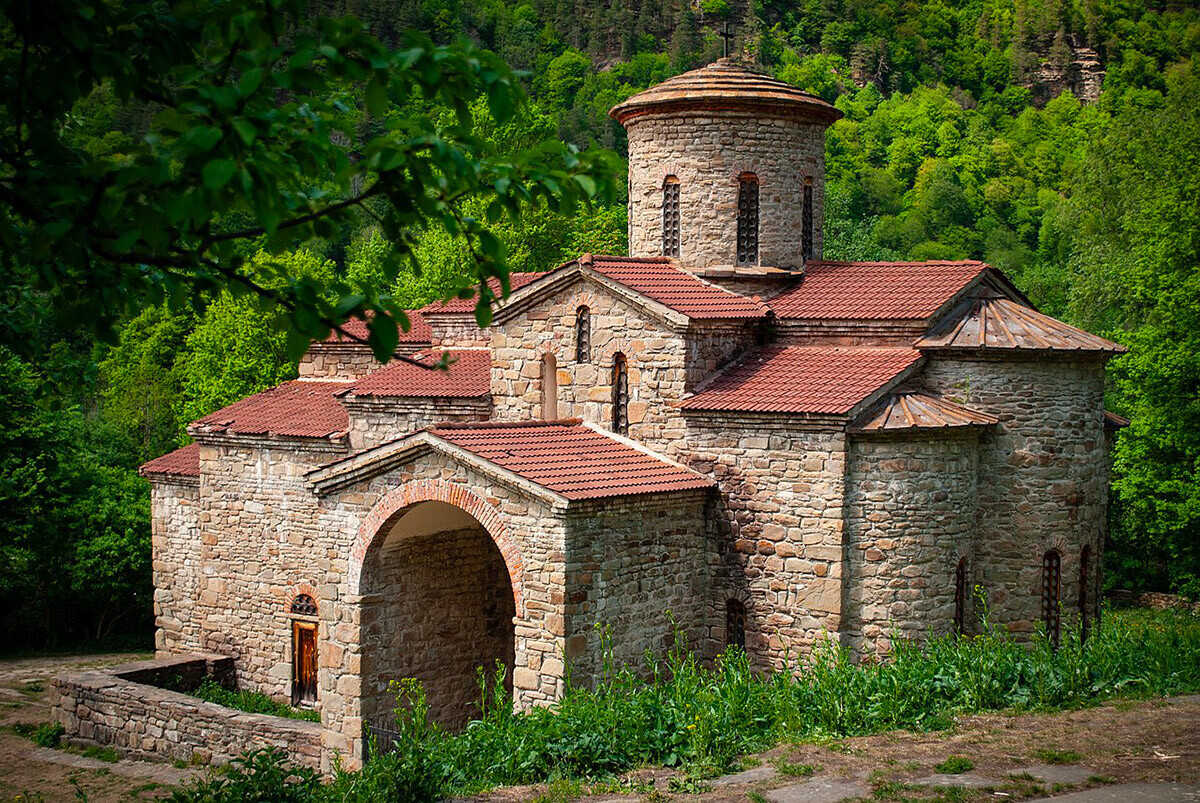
304	662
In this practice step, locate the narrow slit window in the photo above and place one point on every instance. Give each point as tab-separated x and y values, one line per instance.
671	217
1085	611
735	624
583	335
620	395
960	598
747	220
1051	583
806	222
549	388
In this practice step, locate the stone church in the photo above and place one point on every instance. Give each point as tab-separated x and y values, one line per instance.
722	430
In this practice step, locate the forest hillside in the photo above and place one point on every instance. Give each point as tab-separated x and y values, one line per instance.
1057	139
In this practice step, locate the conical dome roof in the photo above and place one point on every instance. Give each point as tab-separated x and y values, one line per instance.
725	84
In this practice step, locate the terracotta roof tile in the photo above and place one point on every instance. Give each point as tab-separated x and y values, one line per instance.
1115	421
726	83
874	290
418	330
468	377
802	379
921	410
1001	323
572	460
298	409
183	462
660	279
458	306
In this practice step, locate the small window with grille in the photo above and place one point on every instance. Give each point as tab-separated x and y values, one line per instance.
960	597
671	217
806	221
583	334
747	219
735	623
304	605
620	395
1051	583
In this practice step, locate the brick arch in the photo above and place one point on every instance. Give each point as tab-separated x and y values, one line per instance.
296	590
389	509
605	355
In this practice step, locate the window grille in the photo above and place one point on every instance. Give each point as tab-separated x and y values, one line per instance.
806	222
1051	583
747	220
304	605
620	395
960	597
671	217
735	624
583	335
1085	613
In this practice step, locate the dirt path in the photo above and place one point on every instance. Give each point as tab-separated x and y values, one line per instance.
1124	742
32	773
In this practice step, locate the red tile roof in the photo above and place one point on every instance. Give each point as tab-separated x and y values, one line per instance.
468	377
298	409
183	462
467	305
802	379
874	290
1001	323
572	460
921	410
1115	421
660	279
418	330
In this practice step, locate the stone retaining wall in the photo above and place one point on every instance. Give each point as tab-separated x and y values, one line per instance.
121	707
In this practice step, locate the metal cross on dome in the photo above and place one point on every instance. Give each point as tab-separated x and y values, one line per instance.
725	39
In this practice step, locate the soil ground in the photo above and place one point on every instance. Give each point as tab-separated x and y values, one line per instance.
1120	742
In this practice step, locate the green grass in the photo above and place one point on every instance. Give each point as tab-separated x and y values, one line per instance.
690	715
1052	756
251	702
955	765
795	770
103	753
44	734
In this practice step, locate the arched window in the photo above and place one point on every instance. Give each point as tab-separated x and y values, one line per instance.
806	221
1051	583
670	230
304	605
747	219
620	395
735	624
960	597
1085	589
549	388
304	651
583	335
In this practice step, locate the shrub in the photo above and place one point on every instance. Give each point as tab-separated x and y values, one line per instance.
956	765
48	734
258	776
252	702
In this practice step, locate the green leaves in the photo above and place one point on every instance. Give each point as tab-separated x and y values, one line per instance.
219	173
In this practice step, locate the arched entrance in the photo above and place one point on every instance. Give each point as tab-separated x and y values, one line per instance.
437	604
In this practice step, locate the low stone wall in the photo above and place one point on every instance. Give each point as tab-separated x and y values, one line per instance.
126	707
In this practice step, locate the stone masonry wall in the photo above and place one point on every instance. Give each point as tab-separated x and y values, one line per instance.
1042	473
446	609
633	565
780	529
706	152
911	509
376	421
175	546
114	708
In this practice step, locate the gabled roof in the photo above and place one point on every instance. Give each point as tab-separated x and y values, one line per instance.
298	409
469	376
466	306
916	409
803	379
657	281
1000	323
564	460
875	290
183	462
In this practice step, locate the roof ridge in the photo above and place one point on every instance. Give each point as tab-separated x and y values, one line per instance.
452	425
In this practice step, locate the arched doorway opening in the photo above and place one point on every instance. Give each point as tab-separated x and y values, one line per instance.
437	604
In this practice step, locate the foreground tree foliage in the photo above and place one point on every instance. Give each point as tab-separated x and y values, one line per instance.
253	137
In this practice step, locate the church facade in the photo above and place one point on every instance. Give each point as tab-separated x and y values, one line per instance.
722	431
